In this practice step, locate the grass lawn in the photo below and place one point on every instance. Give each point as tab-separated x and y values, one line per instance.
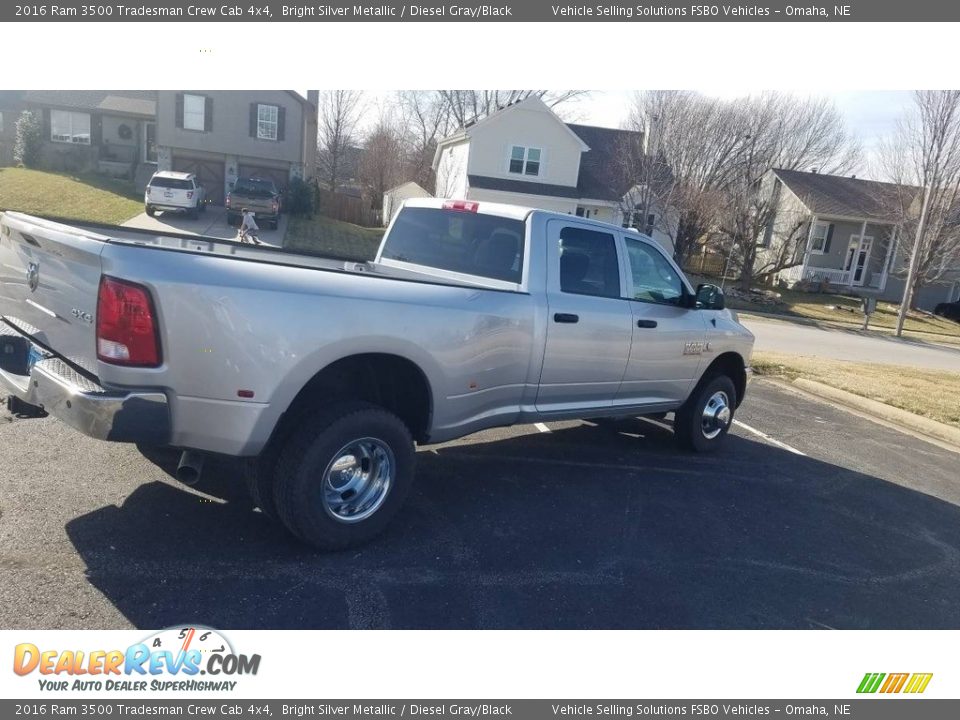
326	237
92	198
843	310
934	394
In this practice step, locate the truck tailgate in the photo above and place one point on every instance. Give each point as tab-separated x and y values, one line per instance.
49	278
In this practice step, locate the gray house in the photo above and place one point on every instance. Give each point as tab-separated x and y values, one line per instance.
223	134
847	234
106	131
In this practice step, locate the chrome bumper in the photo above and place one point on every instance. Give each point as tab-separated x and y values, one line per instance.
138	416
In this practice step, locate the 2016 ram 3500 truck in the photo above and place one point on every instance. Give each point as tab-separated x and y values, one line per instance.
325	374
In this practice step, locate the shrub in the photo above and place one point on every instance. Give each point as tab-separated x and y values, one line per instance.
26	150
300	198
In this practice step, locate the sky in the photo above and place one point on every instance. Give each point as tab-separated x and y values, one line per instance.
870	114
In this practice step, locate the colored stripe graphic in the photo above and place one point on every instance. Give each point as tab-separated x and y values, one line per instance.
894	683
918	682
870	682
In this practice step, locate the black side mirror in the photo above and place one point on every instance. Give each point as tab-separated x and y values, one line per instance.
709	297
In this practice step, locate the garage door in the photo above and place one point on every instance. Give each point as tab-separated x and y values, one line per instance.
280	177
209	172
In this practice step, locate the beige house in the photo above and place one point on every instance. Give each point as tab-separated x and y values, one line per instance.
524	154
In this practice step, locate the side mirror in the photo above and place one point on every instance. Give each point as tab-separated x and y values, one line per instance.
709	297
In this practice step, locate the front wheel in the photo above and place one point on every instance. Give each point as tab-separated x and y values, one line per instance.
343	475
703	421
150	211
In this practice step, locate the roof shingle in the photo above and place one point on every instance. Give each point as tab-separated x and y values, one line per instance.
851	197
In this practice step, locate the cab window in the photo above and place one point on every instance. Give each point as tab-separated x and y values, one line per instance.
588	263
654	279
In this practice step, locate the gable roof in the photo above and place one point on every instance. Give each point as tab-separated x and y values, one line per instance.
850	197
599	178
127	102
485	182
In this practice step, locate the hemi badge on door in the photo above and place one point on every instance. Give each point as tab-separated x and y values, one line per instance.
695	348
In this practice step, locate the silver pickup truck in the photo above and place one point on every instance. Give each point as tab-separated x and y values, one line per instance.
326	373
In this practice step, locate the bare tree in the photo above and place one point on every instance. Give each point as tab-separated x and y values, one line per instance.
776	131
338	115
923	159
381	164
426	118
469	105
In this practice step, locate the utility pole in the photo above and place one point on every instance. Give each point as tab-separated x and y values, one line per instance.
914	258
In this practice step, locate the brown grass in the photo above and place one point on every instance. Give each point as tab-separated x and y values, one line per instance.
934	394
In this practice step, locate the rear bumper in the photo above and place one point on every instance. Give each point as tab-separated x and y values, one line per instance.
140	416
166	208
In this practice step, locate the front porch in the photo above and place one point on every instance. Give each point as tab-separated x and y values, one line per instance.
846	253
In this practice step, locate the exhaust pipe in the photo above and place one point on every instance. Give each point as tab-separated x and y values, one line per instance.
190	467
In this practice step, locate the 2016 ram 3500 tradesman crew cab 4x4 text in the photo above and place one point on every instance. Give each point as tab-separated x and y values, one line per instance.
325	373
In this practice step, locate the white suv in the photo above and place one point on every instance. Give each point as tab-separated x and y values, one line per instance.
178	191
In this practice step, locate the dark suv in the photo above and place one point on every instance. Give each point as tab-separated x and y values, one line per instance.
949	310
259	195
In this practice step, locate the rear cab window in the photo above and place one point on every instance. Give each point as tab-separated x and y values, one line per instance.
469	243
171	183
255	187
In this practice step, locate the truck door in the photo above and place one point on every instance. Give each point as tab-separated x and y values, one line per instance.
668	338
588	322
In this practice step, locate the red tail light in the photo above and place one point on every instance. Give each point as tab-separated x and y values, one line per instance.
463	205
274	206
227	201
126	325
189	194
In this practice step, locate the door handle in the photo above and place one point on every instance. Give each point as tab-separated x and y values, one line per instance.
566	318
646	323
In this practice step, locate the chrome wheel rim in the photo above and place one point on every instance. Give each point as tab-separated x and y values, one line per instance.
358	479
716	415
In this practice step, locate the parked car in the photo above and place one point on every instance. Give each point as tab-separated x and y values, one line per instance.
325	373
174	191
948	310
259	195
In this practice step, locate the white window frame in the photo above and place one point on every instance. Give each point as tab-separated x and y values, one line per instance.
814	250
526	159
267	123
72	122
191	114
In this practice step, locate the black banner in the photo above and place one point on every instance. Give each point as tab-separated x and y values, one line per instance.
516	11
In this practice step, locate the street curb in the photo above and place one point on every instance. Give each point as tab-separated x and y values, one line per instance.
891	414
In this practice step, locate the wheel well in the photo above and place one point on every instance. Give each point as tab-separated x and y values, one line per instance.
390	381
730	364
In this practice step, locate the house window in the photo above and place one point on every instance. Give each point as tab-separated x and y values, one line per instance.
268	120
820	239
69	127
194	110
525	161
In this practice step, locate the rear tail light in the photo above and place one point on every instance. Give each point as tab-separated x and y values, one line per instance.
274	206
126	325
189	194
149	189
462	205
227	201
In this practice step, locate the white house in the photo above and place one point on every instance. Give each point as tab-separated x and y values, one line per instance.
524	154
394	197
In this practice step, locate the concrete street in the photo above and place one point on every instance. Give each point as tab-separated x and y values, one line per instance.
848	344
576	527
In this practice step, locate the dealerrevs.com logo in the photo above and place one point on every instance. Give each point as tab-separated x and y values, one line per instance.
911	683
172	659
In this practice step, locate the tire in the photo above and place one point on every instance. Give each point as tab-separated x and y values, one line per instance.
193	213
306	485
233	220
702	423
151	212
274	224
203	206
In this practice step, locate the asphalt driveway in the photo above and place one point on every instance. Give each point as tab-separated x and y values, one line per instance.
211	223
808	518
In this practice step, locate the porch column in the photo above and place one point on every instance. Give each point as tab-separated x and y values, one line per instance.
806	253
891	247
856	255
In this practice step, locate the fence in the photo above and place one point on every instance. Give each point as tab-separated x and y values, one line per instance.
348	208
